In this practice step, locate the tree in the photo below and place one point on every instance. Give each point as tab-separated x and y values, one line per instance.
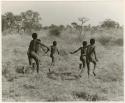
10	19
24	21
82	20
55	30
31	20
61	27
45	27
80	27
4	23
108	23
18	22
69	28
52	26
74	25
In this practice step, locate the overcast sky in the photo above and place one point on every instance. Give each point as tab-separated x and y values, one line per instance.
67	12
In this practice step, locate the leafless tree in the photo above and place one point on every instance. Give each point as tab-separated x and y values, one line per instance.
83	20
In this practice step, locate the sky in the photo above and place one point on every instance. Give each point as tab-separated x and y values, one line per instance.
62	12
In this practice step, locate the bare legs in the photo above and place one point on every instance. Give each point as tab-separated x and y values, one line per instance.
94	68
34	56
52	63
82	67
88	67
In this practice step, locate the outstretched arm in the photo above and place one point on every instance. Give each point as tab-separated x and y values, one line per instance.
42	45
75	51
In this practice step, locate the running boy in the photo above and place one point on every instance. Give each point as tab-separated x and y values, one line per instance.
82	56
53	53
33	51
91	56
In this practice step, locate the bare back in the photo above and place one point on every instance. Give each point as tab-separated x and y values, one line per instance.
54	50
83	51
90	51
34	45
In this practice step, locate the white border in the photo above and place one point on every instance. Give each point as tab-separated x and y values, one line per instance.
65	1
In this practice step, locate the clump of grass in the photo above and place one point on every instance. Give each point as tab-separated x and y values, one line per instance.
87	96
53	99
28	86
23	69
20	69
82	95
7	72
59	98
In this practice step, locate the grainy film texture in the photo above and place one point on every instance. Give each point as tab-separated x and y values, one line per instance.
62	51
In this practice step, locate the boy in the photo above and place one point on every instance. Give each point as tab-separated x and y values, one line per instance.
53	53
33	51
91	56
82	56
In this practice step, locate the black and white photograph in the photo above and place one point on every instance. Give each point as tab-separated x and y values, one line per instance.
62	51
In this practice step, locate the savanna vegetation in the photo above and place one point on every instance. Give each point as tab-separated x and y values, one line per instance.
60	85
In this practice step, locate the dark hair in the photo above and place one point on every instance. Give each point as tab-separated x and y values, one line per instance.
84	43
34	35
54	43
92	41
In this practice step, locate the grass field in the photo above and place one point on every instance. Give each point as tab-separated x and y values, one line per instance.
60	85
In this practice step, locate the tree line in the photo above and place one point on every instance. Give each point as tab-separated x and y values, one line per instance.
24	21
31	20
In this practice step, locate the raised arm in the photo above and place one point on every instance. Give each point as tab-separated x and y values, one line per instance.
76	50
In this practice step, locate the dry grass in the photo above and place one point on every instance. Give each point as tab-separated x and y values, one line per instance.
63	84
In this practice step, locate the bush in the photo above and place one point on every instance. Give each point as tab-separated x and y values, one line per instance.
104	40
54	31
23	69
109	24
87	96
8	72
118	42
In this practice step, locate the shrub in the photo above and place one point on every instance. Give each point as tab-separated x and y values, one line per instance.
118	42
104	40
86	96
54	31
23	69
109	23
7	72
